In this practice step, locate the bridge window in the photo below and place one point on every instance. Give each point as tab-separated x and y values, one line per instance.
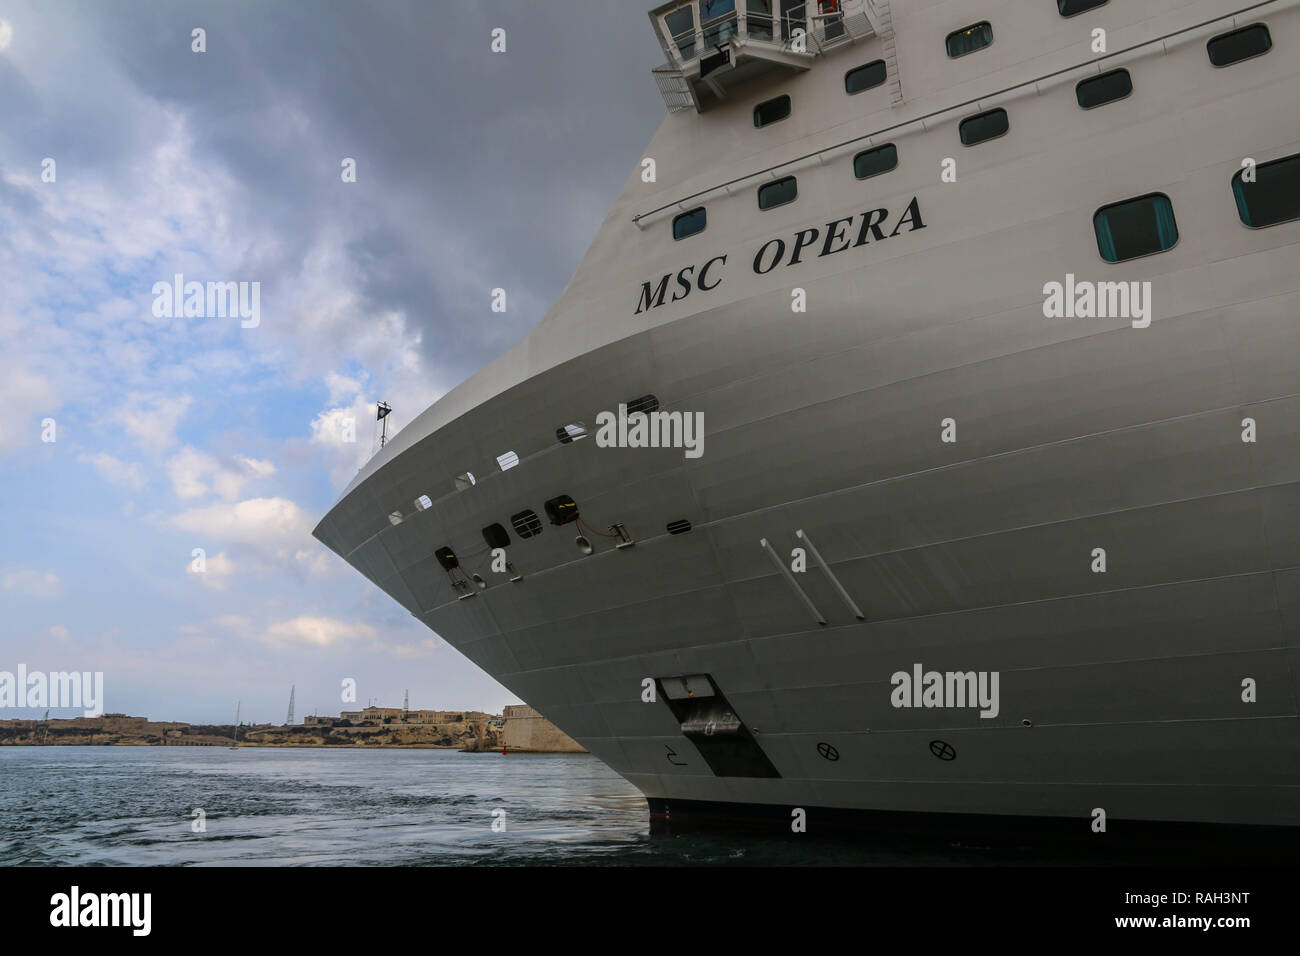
1098	90
1135	227
1273	197
689	223
1070	8
778	193
865	77
526	523
1229	48
771	111
873	162
681	27
983	127
969	39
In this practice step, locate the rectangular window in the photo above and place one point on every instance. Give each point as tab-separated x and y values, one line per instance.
1070	8
771	111
1229	48
689	223
873	162
969	39
759	13
865	77
681	25
1106	88
778	193
984	126
1273	197
1135	227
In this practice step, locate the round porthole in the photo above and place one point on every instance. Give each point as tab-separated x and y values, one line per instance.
478	579
583	544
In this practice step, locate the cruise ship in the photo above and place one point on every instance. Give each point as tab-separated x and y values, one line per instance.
919	437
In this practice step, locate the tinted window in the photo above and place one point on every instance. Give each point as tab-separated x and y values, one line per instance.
1106	88
984	126
689	223
969	39
1273	197
778	193
681	24
865	77
771	111
1069	8
873	162
496	536
1229	48
1135	227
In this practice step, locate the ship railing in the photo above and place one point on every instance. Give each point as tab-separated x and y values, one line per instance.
813	28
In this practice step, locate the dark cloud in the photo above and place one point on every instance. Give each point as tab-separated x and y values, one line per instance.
475	169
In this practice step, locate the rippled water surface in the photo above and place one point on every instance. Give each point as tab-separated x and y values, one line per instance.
274	807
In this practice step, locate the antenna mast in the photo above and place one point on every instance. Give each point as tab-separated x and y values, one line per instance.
382	410
289	719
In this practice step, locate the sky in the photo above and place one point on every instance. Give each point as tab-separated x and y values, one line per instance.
132	434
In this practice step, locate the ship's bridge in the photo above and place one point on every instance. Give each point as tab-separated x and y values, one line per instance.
714	46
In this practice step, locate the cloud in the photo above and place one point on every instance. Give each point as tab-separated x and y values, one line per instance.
309	631
25	398
6	34
41	584
152	419
216	571
124	474
273	525
195	474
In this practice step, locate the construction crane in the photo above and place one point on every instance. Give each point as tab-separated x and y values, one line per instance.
289	720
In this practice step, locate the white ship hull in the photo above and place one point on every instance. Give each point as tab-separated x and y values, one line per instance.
1123	690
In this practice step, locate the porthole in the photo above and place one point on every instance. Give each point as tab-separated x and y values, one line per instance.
680	526
969	39
568	434
465	481
1244	44
423	502
526	523
1072	8
395	518
496	536
778	193
865	77
1273	194
507	460
984	126
689	223
770	111
447	558
646	403
874	162
1135	228
1106	88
